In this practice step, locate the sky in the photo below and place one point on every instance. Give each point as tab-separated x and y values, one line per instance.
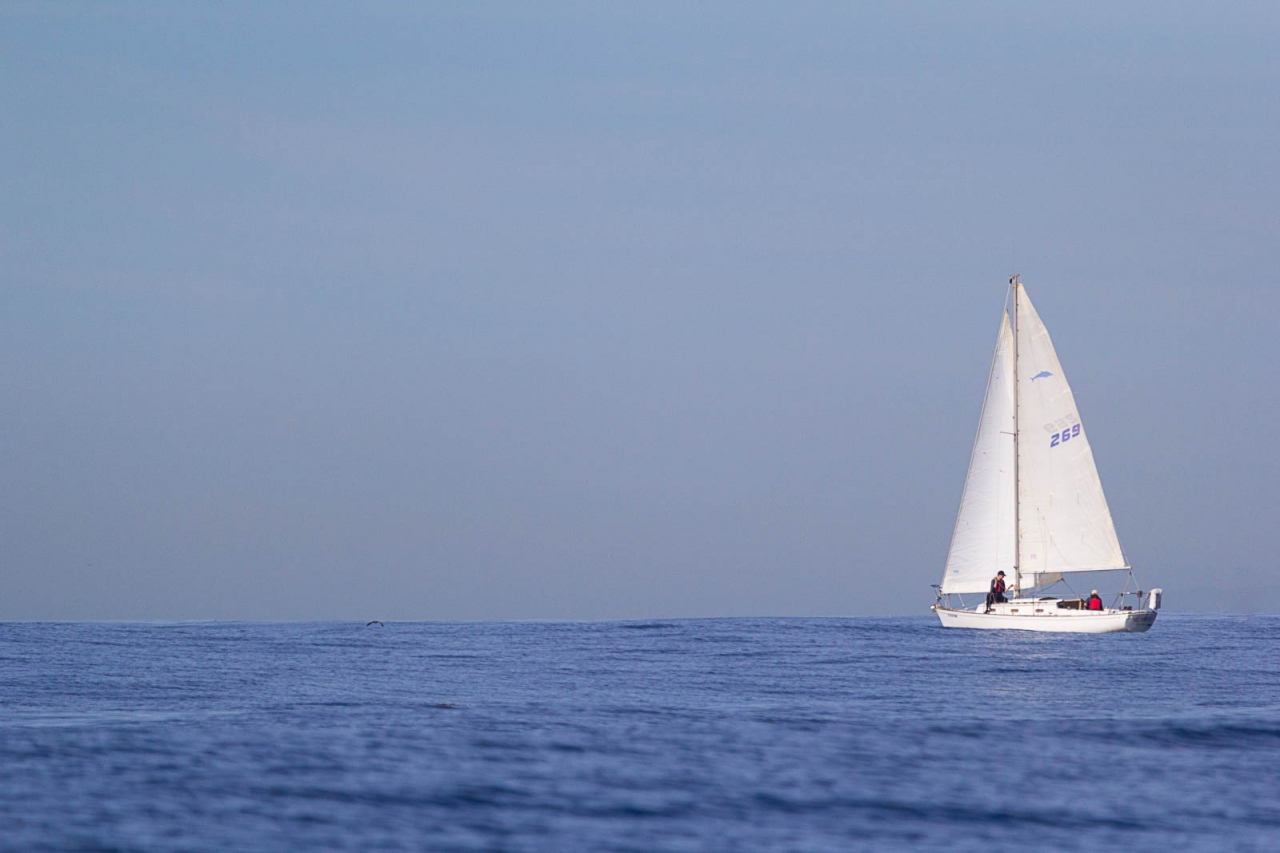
608	311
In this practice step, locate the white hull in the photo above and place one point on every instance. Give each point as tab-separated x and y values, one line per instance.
1025	618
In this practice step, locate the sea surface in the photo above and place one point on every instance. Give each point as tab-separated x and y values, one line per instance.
719	735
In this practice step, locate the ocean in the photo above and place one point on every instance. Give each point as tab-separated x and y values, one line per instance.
682	735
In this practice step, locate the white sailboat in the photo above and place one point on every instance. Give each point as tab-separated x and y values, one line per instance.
1033	505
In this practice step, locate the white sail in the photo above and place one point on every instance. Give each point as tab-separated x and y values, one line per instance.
1064	522
983	541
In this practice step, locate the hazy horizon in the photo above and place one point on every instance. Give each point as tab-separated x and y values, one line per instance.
413	312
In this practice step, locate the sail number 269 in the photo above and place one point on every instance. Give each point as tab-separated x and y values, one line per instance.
1064	436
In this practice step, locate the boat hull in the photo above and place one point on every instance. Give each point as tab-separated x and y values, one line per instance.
1056	621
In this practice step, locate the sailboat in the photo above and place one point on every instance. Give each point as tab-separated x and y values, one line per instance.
1033	506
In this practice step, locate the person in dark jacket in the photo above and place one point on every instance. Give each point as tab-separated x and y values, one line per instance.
996	595
1095	601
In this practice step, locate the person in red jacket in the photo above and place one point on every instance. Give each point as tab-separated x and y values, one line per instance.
1095	601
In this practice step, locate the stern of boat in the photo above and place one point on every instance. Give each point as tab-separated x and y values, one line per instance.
1139	621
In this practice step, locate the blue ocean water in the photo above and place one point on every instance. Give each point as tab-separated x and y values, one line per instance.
722	734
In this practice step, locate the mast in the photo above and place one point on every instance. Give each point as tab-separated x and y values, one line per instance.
1017	482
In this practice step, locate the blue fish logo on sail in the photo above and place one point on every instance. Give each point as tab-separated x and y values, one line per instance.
1041	375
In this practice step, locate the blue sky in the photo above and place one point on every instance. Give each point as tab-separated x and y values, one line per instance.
592	311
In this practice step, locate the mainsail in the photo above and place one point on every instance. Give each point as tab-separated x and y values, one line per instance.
1045	513
983	541
1064	522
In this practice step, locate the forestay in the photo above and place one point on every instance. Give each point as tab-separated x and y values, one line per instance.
1065	525
983	541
